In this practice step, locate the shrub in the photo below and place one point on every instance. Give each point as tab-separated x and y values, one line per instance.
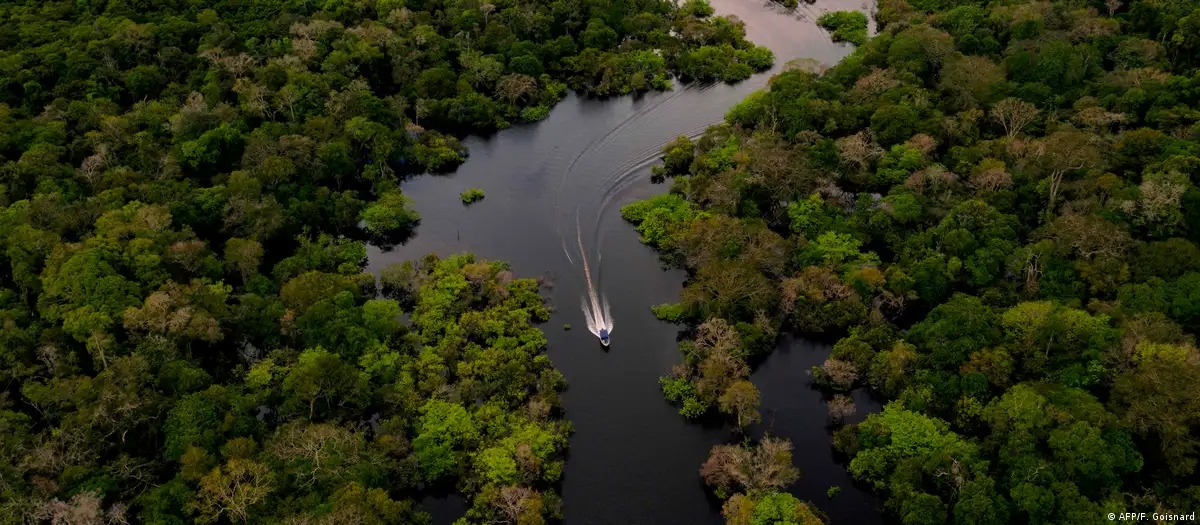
390	214
471	195
845	26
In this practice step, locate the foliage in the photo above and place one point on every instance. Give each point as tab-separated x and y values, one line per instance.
658	217
993	206
756	469
276	436
471	195
186	193
845	26
389	215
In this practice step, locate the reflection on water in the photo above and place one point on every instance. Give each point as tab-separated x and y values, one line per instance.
632	458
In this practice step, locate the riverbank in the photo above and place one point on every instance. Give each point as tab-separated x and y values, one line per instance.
632	458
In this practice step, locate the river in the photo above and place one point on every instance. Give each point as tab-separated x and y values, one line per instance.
633	459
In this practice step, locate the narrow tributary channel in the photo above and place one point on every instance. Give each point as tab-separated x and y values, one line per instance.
633	459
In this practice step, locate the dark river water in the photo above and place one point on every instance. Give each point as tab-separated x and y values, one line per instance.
633	459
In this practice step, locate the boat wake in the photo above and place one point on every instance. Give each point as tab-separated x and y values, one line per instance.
594	305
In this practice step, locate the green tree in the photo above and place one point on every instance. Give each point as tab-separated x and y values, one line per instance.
444	428
390	215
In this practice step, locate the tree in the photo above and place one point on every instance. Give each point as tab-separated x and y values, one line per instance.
894	123
192	422
400	282
245	255
518	505
973	81
754	469
390	215
919	49
979	503
444	427
841	374
771	508
845	26
836	248
955	329
317	453
991	175
1112	6
912	436
841	407
182	312
859	150
482	70
1159	400
729	288
233	489
1063	152
436	83
82	509
677	157
515	87
1093	460
1014	115
321	376
354	503
1048	338
741	400
718	371
1159	202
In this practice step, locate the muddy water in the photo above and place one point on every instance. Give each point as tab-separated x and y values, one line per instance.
632	458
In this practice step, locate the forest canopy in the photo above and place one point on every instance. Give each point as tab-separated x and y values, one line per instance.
992	208
187	190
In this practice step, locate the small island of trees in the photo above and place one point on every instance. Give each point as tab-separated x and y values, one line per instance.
471	195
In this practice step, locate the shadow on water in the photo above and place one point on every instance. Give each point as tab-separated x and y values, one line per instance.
633	459
791	408
445	508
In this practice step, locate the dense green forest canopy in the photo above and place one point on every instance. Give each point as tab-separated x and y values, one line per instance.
186	190
992	206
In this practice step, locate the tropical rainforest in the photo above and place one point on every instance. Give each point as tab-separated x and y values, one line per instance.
187	190
991	207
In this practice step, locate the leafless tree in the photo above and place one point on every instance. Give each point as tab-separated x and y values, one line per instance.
1159	202
1091	236
1097	118
841	407
94	164
858	149
1112	6
82	509
750	468
317	447
1014	114
841	373
515	86
512	502
717	334
873	84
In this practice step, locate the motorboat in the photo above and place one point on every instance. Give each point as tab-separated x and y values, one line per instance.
604	337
